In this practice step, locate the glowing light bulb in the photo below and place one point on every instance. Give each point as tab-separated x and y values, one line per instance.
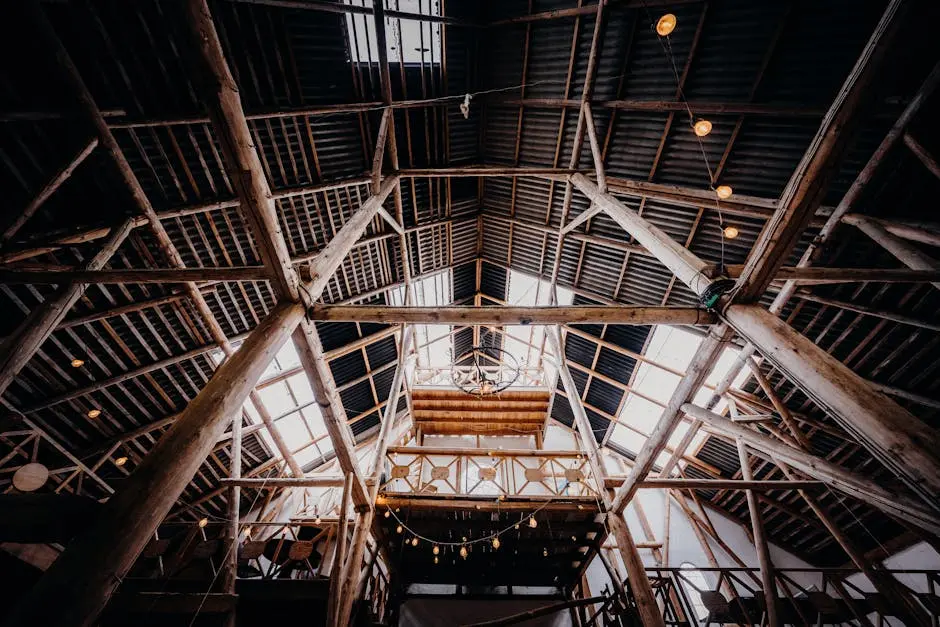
77	363
435	559
724	191
317	520
544	552
731	232
533	522
388	513
203	522
94	413
496	543
463	552
398	529
414	542
436	549
702	127
120	461
666	25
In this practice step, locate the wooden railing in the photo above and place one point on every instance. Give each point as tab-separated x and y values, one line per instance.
472	472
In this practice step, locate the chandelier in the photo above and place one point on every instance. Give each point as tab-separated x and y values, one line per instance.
485	370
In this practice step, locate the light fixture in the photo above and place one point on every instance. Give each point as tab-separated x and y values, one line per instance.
203	522
574	538
435	559
666	25
544	552
496	542
533	522
120	461
463	552
398	529
516	526
436	549
317	520
724	191
702	127
388	513
414	542
94	413
77	363
730	232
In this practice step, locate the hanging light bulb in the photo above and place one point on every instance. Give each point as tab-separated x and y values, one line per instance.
435	559
544	552
730	232
496	542
533	522
724	191
516	526
120	461
388	513
702	127
463	552
666	25
203	522
94	413
414	542
436	549
398	529
77	363
317	520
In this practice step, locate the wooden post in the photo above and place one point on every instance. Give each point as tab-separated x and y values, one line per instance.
85	575
923	154
339	562
230	567
760	541
850	483
636	571
23	343
782	409
900	440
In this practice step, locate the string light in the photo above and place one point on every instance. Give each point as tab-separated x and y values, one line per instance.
496	542
94	413
435	559
544	552
463	552
120	461
414	542
387	513
724	191
666	25
398	529
702	127
731	232
203	522
77	363
533	522
436	550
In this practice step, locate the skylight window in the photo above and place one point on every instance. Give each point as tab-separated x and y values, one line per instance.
669	352
407	40
525	342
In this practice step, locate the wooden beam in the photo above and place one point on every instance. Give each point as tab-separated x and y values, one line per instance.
274	483
22	344
469	316
760	541
88	572
47	190
673	106
810	181
846	481
868	311
181	275
699	368
721	484
528	615
896	437
907	253
923	154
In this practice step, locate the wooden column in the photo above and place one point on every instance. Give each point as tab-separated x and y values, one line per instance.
339	562
846	481
760	541
76	588
903	442
352	575
233	531
23	343
636	571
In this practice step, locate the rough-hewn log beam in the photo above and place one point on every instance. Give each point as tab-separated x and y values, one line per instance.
846	481
809	183
23	343
85	575
907	253
180	275
467	316
899	439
